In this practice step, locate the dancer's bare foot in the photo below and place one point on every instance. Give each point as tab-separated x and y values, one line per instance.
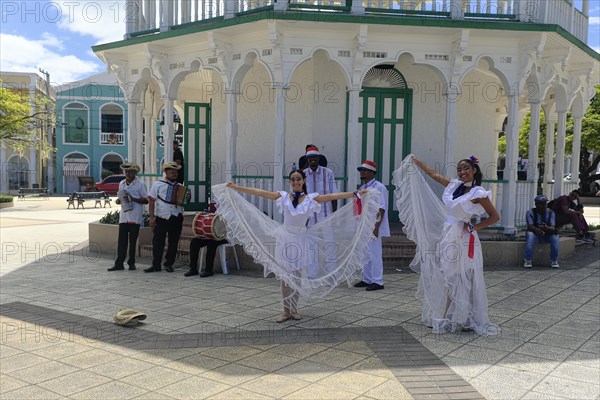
283	317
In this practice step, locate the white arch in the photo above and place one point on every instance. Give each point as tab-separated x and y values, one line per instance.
432	66
250	59
578	106
492	67
327	53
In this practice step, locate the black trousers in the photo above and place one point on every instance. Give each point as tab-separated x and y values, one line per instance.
197	244
128	233
162	228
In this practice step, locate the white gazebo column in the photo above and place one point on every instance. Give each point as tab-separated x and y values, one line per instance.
354	140
3	170
534	147
575	155
231	133
279	157
509	194
559	171
168	133
549	157
139	151
132	132
150	139
450	126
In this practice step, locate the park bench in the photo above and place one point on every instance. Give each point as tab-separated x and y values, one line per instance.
32	192
81	197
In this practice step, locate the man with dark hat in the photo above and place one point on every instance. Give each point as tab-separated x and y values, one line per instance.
541	222
178	158
320	180
132	195
166	217
303	161
373	270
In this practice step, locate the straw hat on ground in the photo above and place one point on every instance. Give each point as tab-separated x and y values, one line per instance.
127	317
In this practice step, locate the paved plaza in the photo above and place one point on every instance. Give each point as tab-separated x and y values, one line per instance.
215	338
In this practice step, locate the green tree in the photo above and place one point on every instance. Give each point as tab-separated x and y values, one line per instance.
18	120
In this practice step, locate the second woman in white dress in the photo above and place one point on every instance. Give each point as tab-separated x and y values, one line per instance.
449	258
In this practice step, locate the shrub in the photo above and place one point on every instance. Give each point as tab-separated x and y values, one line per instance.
112	218
4	198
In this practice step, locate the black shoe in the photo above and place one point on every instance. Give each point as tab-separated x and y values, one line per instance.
374	286
152	269
132	267
169	268
206	274
191	272
361	284
116	268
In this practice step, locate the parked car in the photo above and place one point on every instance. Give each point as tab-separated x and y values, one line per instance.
110	184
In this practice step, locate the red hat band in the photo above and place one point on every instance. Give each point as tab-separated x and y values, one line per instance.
312	151
368	164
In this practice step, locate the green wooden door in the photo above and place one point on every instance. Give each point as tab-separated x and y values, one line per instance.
386	133
196	139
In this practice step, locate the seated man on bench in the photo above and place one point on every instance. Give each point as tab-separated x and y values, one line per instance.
541	229
569	210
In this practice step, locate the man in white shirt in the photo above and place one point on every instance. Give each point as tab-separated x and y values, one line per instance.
166	217
373	270
132	195
320	180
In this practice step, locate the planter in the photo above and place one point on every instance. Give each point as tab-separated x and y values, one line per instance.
103	237
499	253
7	204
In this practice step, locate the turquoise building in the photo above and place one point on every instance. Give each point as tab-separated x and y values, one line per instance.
91	132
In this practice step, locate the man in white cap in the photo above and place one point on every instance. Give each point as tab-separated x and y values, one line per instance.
320	180
132	195
373	270
166	217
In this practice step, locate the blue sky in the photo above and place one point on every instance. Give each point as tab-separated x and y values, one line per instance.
57	35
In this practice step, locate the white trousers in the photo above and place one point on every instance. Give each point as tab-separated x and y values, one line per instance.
373	270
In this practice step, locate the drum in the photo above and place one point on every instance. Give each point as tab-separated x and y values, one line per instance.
209	226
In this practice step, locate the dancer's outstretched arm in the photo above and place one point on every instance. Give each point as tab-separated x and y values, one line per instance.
431	172
256	192
323	198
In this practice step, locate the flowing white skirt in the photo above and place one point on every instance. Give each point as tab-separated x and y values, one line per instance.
311	261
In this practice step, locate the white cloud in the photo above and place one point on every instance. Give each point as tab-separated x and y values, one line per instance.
103	20
594	21
18	53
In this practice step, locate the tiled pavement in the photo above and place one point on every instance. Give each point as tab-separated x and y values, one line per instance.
215	337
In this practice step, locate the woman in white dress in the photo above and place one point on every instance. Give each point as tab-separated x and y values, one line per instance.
449	258
306	259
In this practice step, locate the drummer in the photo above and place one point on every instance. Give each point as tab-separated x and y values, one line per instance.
196	244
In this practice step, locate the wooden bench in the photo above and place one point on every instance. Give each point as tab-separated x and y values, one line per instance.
32	192
81	197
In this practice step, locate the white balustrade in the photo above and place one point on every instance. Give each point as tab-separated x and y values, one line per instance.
148	16
112	138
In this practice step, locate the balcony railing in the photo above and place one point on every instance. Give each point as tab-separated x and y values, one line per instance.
151	16
112	138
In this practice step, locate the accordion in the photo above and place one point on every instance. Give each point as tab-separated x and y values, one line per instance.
176	194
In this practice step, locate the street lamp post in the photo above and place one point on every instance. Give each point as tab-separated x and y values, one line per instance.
50	171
